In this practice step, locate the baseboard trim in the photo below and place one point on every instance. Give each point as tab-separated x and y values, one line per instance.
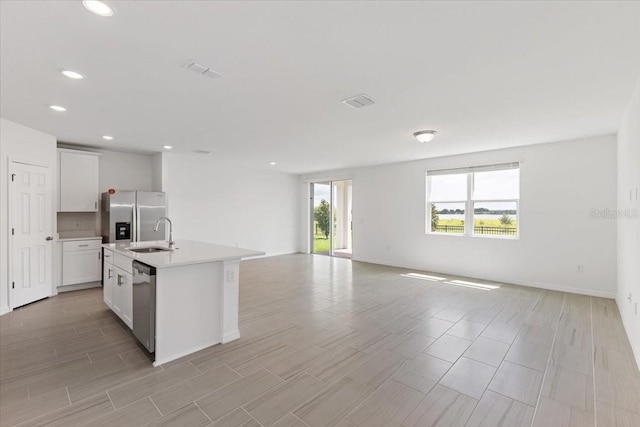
551	287
78	287
230	336
5	310
635	346
269	255
539	285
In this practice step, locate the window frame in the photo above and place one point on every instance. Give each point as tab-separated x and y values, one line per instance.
428	208
469	203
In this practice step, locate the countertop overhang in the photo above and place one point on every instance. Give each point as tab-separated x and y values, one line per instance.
185	252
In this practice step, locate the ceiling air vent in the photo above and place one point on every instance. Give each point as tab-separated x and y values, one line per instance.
359	101
194	67
202	152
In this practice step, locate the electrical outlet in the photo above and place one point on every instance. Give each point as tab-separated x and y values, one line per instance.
580	268
231	276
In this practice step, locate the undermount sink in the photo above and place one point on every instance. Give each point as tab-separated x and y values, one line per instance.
150	249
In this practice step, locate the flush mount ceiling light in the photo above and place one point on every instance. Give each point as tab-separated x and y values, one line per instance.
98	7
425	135
167	147
57	108
272	163
72	74
107	137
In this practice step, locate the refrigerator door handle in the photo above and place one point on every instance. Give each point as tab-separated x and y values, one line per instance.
136	225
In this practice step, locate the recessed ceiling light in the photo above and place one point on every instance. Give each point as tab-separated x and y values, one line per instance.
107	137
272	163
72	74
57	108
425	135
167	147
98	7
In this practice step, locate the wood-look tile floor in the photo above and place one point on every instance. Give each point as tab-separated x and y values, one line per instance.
328	342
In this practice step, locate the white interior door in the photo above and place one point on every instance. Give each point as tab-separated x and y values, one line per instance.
31	228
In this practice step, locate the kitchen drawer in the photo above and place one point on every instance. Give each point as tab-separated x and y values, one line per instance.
81	245
107	255
123	262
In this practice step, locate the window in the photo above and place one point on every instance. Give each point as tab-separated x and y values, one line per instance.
474	201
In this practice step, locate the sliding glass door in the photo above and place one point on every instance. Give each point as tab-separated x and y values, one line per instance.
331	230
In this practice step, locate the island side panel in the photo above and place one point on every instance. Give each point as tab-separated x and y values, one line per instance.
230	298
188	308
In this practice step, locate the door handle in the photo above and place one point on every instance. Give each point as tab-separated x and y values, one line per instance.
49	238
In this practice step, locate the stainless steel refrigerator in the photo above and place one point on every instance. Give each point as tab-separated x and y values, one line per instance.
129	216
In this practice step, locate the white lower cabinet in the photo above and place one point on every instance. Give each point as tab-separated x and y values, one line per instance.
108	277
118	286
124	291
81	262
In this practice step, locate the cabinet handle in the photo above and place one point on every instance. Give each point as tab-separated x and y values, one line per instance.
83	246
107	256
110	274
98	255
119	280
95	205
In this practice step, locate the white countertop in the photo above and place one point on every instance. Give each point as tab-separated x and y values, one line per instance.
70	239
186	252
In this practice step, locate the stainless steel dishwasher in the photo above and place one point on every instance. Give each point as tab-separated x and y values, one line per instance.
144	305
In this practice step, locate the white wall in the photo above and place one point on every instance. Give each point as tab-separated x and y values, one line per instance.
125	171
216	202
157	161
629	222
20	143
560	183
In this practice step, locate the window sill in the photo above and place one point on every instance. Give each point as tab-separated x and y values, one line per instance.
475	236
484	236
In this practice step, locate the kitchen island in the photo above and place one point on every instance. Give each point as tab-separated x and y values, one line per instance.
195	302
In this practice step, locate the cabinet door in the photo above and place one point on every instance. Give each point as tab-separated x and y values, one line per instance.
80	266
118	278
78	182
127	300
108	279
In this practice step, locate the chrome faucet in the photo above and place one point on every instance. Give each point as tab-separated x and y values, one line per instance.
171	242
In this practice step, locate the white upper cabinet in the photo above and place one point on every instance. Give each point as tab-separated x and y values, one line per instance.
79	188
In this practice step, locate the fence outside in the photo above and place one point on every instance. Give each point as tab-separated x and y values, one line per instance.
478	229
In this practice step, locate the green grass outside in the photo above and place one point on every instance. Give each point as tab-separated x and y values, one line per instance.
320	244
477	222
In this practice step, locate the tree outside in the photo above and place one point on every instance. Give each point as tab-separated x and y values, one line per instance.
434	217
322	214
506	220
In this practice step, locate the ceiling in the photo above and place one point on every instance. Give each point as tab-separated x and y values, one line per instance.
485	75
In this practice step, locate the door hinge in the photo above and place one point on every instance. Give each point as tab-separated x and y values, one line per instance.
13	231
13	177
13	285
